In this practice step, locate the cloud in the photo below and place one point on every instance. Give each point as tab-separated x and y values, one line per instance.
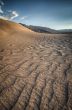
10	15
24	17
14	14
2	17
1	2
1	11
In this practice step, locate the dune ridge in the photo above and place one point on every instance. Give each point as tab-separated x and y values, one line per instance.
7	27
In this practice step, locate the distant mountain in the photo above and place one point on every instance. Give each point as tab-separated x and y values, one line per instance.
68	31
47	30
40	29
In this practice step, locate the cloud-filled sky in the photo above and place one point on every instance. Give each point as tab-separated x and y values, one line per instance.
56	14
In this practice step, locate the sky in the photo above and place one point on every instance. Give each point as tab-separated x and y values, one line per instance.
55	14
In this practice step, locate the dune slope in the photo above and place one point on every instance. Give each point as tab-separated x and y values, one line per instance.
35	69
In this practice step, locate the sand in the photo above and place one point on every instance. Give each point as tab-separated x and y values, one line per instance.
35	69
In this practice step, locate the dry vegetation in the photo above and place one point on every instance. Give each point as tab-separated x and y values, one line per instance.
35	70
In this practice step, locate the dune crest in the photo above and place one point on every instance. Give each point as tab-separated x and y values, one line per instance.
8	26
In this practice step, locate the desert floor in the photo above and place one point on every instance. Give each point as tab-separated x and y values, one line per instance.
35	71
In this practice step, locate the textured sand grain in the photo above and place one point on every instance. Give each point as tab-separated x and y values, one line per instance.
35	70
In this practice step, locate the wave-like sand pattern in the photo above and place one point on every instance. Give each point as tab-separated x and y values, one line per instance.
37	74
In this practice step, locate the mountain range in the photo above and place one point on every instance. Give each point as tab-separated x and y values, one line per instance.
47	30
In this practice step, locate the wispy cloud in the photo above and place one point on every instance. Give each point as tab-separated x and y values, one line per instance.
14	14
10	15
1	11
1	2
24	17
2	17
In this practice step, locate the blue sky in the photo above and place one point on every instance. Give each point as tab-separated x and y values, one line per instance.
56	14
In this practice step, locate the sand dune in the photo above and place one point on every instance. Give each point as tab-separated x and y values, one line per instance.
35	69
9	25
